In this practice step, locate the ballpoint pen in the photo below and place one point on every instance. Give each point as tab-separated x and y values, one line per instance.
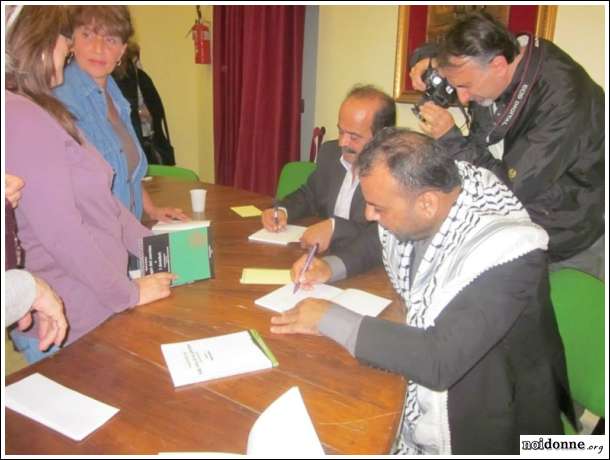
275	216
312	253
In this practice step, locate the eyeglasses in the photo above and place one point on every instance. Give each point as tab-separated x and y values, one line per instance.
89	36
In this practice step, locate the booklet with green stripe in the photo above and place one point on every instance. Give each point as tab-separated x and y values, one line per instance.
186	253
216	357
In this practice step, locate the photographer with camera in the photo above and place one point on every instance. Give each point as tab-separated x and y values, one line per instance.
536	117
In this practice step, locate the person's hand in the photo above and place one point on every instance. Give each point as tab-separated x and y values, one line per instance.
435	120
12	188
268	220
319	272
417	71
320	233
303	318
50	317
167	214
154	287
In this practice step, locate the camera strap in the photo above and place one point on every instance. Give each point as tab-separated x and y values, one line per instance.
504	120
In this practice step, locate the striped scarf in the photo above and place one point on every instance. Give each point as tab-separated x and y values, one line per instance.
486	227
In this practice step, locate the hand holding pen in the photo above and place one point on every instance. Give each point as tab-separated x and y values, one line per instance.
274	219
308	261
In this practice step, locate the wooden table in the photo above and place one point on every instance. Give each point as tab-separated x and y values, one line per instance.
355	408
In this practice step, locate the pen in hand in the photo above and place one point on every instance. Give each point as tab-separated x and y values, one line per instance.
275	216
310	255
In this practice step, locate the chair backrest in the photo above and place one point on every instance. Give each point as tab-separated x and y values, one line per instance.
316	142
293	175
578	301
172	171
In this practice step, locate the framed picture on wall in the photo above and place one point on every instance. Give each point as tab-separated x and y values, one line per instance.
418	24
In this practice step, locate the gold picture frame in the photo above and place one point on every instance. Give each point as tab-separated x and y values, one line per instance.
538	19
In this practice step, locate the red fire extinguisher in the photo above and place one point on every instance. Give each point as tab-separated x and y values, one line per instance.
201	40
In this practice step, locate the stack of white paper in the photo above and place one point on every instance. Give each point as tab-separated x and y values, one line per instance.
62	409
290	234
361	302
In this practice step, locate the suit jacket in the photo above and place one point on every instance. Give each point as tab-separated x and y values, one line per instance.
317	197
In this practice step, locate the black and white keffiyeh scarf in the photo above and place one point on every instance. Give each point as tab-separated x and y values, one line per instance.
486	227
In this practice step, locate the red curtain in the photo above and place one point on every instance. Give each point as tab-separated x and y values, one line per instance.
257	66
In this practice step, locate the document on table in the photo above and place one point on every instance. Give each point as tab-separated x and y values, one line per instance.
56	406
361	302
167	227
215	357
284	429
290	234
247	211
265	276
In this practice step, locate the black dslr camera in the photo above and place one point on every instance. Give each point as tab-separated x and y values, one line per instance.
438	90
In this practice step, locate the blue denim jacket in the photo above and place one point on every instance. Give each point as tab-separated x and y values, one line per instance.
84	98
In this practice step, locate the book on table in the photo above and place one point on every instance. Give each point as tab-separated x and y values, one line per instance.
359	301
210	358
183	248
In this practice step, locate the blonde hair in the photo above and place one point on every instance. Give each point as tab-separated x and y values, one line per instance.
30	43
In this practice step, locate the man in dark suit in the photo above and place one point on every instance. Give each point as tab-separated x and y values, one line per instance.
332	192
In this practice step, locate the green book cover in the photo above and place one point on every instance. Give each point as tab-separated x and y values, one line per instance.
186	253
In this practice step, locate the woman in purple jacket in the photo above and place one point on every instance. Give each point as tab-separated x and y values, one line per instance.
75	234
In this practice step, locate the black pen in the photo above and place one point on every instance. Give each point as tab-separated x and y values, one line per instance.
312	252
275	216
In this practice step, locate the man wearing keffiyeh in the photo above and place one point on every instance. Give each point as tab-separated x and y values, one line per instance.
480	346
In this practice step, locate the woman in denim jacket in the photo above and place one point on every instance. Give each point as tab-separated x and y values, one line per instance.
101	111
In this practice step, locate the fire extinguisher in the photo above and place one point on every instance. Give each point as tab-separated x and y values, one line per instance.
201	40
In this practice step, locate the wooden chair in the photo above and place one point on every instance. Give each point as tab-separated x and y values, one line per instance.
316	143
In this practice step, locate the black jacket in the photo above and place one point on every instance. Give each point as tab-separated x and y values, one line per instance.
553	152
159	149
495	348
318	196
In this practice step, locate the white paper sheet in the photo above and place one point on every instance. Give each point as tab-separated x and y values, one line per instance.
58	407
361	302
284	429
283	299
290	234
